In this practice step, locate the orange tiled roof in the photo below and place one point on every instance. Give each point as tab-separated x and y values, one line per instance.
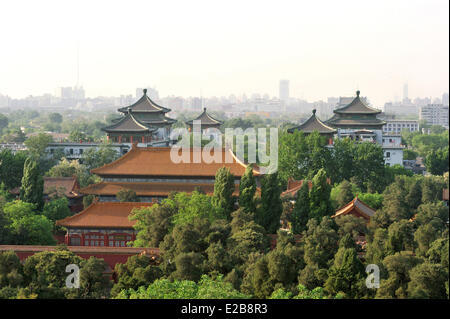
293	187
157	189
156	161
103	215
356	204
69	184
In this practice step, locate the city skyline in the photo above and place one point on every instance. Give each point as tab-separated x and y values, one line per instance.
205	50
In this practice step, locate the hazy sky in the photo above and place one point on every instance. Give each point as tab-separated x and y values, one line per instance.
325	48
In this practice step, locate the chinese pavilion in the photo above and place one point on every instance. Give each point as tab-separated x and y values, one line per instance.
205	120
208	125
143	122
356	208
315	124
153	175
102	224
358	121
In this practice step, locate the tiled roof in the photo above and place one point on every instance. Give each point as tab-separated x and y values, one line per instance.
337	120
144	104
205	119
68	185
156	161
150	189
357	106
128	124
103	215
357	205
293	187
313	124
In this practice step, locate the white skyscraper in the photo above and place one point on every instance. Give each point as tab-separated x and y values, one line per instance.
445	99
284	90
405	91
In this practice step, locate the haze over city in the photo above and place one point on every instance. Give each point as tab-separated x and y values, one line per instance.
201	48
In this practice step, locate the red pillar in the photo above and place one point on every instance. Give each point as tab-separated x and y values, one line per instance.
143	139
120	138
131	139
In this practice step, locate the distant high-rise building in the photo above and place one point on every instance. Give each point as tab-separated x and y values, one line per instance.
405	91
435	114
284	90
445	99
64	92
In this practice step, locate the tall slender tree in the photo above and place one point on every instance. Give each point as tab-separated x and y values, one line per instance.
320	203
223	191
300	213
32	184
247	189
269	213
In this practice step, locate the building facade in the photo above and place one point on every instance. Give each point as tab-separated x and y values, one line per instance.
154	172
397	126
102	224
435	114
360	123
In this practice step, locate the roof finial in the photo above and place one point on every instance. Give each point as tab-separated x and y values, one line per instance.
145	91
314	111
204	109
357	93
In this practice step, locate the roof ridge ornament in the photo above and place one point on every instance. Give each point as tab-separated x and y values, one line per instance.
314	111
145	91
357	93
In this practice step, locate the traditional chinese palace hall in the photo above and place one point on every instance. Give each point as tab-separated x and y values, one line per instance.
152	174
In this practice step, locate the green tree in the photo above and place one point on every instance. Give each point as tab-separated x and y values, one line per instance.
25	226
428	281
269	213
3	122
105	154
11	270
347	271
127	195
56	209
206	288
223	191
55	118
400	237
432	188
436	162
46	273
409	154
137	271
300	212
345	195
11	167
247	189
32	184
320	204
398	267
37	144
152	224
93	282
